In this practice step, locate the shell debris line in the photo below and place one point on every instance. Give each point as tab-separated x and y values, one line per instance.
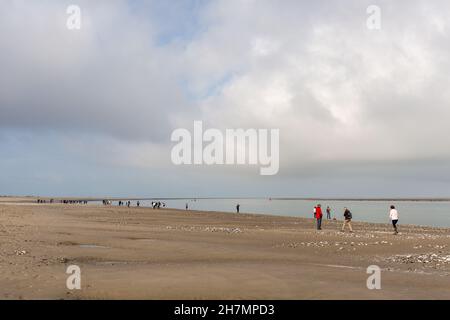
433	260
206	229
342	244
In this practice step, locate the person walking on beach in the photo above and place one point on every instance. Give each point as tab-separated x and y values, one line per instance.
237	208
328	213
138	203
393	215
319	216
348	220
187	206
314	213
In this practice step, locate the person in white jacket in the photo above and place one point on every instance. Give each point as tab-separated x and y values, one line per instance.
393	215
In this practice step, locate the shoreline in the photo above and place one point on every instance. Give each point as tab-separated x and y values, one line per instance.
28	201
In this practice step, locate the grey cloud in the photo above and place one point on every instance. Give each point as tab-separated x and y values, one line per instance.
346	99
109	77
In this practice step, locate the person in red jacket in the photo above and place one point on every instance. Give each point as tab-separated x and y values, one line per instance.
319	216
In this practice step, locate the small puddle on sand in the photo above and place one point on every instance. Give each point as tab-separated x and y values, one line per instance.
112	263
335	266
92	246
146	239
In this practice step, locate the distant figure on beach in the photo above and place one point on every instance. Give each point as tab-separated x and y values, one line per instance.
348	220
237	208
187	206
328	213
138	203
393	214
319	216
314	213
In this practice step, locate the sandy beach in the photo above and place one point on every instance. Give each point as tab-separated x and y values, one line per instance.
142	253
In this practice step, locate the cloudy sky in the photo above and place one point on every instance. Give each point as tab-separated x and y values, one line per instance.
90	112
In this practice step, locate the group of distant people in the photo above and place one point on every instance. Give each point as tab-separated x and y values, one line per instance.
120	203
126	203
62	201
157	205
318	215
44	201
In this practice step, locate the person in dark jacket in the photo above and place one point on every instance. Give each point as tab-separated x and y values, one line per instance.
328	213
348	220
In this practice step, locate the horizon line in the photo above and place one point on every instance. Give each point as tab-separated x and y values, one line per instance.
115	198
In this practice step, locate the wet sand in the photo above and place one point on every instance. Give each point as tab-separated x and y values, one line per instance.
142	253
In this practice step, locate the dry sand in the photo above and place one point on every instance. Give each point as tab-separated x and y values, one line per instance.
141	253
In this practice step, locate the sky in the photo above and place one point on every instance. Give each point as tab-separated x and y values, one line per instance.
361	112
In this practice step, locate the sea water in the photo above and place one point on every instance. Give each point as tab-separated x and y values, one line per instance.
427	213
